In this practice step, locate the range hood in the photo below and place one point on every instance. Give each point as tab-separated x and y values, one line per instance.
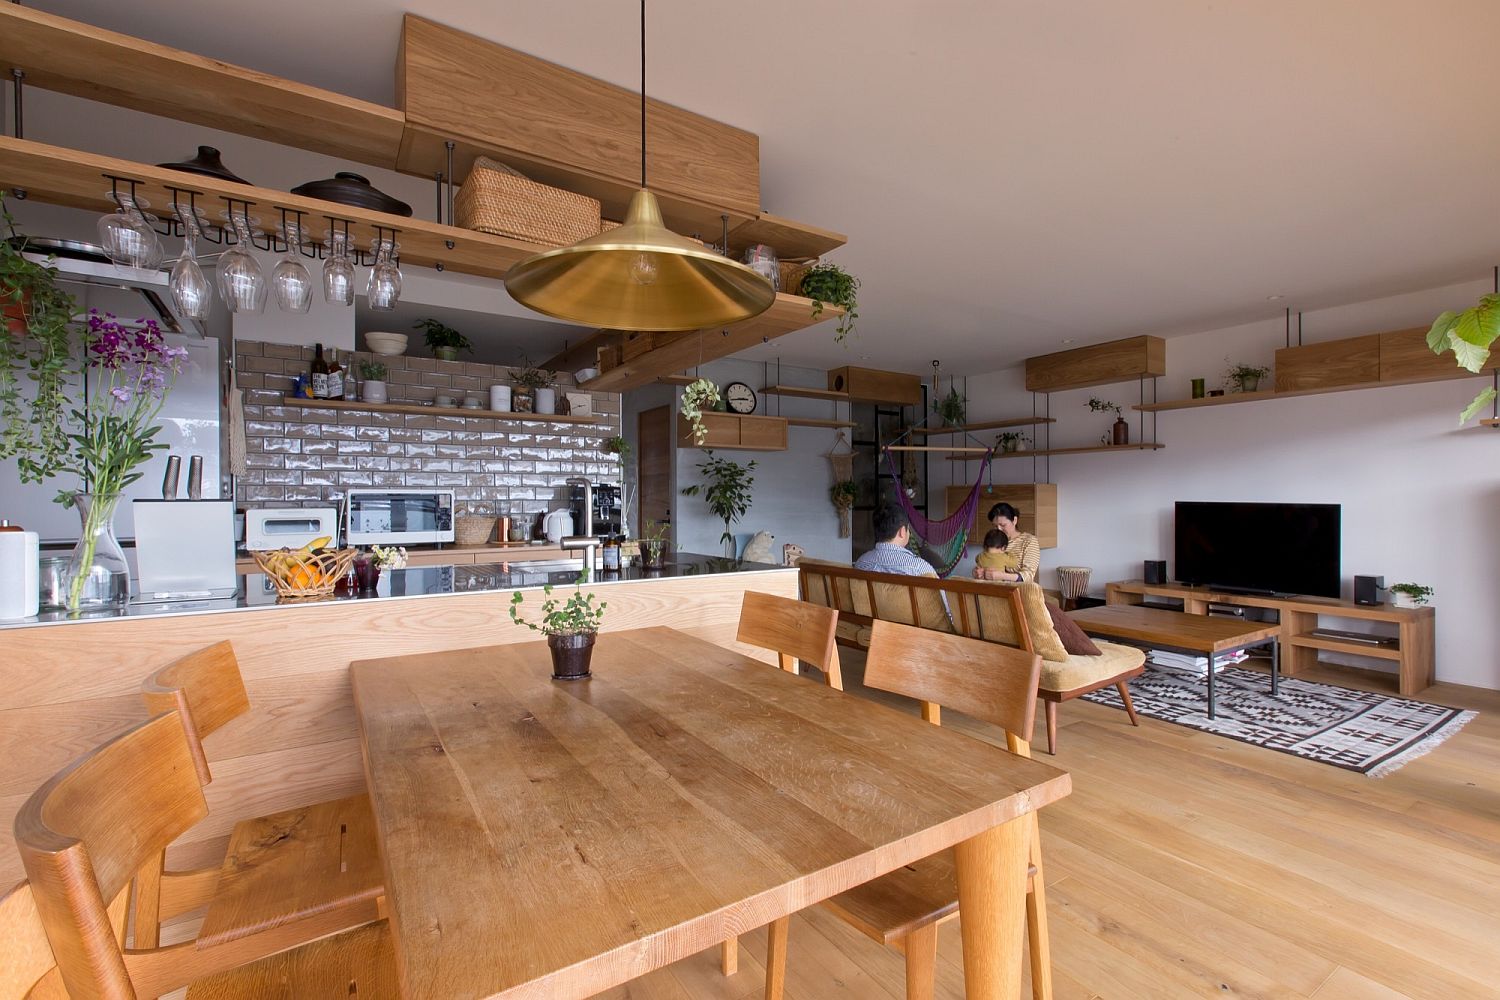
134	287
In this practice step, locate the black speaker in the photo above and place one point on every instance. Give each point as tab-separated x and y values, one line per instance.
1156	571
1367	589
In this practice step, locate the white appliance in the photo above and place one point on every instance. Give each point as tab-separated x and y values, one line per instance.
398	517
268	528
558	525
184	550
19	582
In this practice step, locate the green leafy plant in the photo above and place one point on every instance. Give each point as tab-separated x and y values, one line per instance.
843	494
1468	335
575	616
726	491
1244	377
617	445
831	284
1012	441
373	371
1098	405
1416	591
653	543
36	344
439	334
952	407
531	376
698	396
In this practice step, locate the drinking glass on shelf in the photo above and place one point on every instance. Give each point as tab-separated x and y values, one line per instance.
191	292
338	270
126	234
762	260
384	288
242	283
291	279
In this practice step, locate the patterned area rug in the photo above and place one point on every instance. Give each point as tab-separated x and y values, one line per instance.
1362	731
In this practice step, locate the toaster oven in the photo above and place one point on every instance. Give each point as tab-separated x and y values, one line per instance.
268	528
398	517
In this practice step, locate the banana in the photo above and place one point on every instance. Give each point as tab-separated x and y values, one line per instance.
315	545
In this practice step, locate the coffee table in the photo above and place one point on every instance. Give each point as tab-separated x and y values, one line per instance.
1203	635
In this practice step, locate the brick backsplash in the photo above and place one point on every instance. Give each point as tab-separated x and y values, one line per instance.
297	455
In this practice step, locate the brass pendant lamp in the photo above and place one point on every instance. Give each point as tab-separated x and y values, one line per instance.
641	275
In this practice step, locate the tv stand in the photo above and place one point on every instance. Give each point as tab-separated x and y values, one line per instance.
1301	637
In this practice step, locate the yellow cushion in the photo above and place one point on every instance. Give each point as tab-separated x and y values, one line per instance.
1082	671
1045	641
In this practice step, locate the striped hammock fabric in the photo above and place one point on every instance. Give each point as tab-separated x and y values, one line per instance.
947	537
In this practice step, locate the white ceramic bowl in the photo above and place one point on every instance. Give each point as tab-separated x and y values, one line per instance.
388	344
584	374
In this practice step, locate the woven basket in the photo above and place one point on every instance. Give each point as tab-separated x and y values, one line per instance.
305	577
496	199
792	273
473	529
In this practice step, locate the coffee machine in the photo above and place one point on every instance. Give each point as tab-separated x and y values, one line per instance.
606	509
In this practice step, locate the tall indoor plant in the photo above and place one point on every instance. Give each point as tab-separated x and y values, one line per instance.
1468	335
726	490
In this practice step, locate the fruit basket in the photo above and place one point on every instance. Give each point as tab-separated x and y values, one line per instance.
305	574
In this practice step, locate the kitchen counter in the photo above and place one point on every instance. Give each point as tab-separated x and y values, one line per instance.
256	591
463	555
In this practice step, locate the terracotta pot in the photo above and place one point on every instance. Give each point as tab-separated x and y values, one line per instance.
15	318
571	655
1122	431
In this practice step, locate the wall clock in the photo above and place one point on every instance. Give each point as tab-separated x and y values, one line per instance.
739	398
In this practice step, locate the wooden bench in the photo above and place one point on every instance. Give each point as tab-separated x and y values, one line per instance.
995	612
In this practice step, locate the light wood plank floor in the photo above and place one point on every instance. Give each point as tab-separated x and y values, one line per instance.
1185	865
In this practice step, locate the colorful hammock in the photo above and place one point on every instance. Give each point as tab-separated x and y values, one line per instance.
948	537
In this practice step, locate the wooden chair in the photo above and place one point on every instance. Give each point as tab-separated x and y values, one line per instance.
989	682
318	860
83	836
27	969
795	631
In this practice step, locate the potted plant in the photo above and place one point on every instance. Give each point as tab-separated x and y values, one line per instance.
726	491
1011	441
444	341
653	546
373	373
621	449
698	396
842	494
1409	595
1468	335
570	627
951	407
1243	377
533	388
36	345
1120	432
829	283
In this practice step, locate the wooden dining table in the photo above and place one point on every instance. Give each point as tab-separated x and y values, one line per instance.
554	839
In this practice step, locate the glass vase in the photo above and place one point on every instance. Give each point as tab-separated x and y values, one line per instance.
98	576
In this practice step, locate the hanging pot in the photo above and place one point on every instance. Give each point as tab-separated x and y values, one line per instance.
349	188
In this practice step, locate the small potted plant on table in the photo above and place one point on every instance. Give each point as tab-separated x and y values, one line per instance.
1409	595
374	373
444	341
570	627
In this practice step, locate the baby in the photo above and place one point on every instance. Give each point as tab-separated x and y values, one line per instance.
994	557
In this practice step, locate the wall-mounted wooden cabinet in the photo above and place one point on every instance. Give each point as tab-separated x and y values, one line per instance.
734	432
1328	365
1099	364
1036	503
870	385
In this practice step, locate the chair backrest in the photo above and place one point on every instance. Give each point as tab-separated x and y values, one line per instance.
984	680
795	630
25	955
206	687
83	835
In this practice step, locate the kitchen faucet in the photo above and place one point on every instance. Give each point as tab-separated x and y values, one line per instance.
587	541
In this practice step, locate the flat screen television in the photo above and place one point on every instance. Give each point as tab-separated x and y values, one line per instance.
1276	548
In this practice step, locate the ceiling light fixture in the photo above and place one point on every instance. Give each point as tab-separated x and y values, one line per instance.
1274	298
641	275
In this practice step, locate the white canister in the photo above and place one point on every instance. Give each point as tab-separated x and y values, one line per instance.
500	398
19	552
546	400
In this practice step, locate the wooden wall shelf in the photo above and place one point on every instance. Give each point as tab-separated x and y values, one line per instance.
435	411
1097	364
803	392
1035	502
735	432
810	422
988	425
1489	422
1091	450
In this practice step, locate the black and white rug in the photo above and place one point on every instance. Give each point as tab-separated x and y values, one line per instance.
1362	731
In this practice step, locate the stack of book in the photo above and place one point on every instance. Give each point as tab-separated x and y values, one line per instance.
1189	663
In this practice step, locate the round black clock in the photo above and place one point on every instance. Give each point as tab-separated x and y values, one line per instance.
739	397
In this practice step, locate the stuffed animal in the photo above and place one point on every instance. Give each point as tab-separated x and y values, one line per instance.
758	549
791	552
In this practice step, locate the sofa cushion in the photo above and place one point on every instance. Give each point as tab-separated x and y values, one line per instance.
1073	638
1076	672
1045	641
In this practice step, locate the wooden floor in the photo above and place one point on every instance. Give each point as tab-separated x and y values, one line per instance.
1186	865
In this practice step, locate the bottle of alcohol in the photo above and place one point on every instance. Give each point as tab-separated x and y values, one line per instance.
319	374
335	375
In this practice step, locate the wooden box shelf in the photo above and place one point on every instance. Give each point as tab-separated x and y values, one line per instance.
1098	364
870	385
1036	503
735	432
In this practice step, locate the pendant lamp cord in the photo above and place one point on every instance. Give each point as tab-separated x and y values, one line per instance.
643	93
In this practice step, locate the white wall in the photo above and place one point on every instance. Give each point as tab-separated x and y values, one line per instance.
1419	494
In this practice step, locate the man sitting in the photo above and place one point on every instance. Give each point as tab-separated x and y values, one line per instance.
890	554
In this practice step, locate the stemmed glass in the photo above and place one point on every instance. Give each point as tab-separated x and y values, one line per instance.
191	292
242	284
293	282
338	270
126	234
384	287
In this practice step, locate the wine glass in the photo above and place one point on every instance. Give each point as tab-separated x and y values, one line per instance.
293	282
338	270
242	284
127	236
384	287
191	292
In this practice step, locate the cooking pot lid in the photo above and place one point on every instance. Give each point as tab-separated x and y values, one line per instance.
208	164
349	188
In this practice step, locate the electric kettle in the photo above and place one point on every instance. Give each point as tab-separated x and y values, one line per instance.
558	525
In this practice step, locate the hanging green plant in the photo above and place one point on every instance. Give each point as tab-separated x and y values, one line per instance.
1468	335
698	396
951	407
831	284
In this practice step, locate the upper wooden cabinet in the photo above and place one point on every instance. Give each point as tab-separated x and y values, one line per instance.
735	432
1328	365
1405	357
871	385
564	128
1100	364
1035	502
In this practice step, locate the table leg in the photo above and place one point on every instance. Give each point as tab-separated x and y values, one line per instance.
1213	663
1275	664
992	909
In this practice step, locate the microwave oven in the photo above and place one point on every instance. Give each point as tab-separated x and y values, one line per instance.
398	517
268	528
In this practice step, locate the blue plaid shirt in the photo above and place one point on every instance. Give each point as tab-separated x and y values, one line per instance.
888	557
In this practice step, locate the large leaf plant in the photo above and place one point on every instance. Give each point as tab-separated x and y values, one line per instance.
1468	335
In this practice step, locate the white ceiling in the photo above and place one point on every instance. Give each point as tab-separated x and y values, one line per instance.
1017	174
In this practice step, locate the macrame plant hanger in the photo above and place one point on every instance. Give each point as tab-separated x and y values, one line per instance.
843	472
